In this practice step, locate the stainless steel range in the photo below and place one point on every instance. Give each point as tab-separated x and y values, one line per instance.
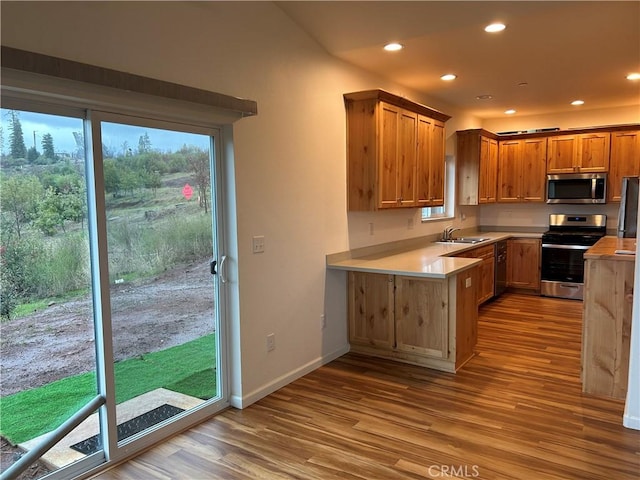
563	247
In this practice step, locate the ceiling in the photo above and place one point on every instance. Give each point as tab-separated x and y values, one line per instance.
550	54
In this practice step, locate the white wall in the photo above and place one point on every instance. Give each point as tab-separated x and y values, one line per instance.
290	168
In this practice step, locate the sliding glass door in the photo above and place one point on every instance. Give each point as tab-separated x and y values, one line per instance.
112	298
160	239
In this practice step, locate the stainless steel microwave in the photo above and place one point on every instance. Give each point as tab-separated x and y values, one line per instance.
577	188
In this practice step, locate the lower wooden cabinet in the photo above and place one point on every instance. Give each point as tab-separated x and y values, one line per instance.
422	317
424	321
523	264
371	309
486	281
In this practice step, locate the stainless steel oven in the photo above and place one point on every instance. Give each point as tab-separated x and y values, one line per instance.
563	247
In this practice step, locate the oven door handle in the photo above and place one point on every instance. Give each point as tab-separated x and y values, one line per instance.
566	247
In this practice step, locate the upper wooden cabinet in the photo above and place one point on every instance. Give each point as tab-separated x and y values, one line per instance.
625	161
477	167
521	170
431	162
587	152
395	152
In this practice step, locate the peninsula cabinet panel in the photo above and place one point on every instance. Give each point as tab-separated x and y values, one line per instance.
522	170
371	319
523	264
477	167
624	162
422	316
584	153
608	305
395	152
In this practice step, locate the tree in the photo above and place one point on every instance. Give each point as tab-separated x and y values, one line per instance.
20	195
144	144
32	155
112	177
198	161
50	213
47	146
16	138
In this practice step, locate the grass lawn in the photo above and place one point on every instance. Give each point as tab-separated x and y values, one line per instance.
187	368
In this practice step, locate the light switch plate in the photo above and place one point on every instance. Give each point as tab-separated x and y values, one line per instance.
258	244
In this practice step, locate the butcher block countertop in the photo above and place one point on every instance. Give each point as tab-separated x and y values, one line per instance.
605	249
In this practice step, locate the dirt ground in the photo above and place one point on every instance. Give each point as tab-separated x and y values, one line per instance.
148	316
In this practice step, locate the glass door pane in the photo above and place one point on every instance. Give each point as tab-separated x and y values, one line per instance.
160	245
48	368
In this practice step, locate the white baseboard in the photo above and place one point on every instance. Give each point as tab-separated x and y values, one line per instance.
631	422
246	400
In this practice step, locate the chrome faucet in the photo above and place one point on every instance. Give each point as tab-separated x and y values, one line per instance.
448	232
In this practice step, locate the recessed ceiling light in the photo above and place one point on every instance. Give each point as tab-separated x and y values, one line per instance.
448	77
577	102
393	47
511	111
484	97
633	76
495	27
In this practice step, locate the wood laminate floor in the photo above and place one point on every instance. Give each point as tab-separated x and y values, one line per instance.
515	411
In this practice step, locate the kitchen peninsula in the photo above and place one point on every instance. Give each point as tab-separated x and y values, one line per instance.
606	329
414	303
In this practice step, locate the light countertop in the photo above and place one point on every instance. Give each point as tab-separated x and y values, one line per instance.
432	260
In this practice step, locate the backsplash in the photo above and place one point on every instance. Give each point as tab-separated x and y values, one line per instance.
537	214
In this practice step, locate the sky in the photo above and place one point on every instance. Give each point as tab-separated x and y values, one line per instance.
113	135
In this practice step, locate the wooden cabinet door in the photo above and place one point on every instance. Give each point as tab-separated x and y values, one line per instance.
487	280
423	170
523	263
407	149
431	162
488	170
593	152
534	165
562	152
390	119
509	171
421	313
437	163
371	320
624	161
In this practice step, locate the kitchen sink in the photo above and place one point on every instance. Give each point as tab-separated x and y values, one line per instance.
465	240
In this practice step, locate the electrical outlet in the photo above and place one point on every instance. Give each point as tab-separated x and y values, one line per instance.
371	228
323	322
258	244
467	282
271	342
410	224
